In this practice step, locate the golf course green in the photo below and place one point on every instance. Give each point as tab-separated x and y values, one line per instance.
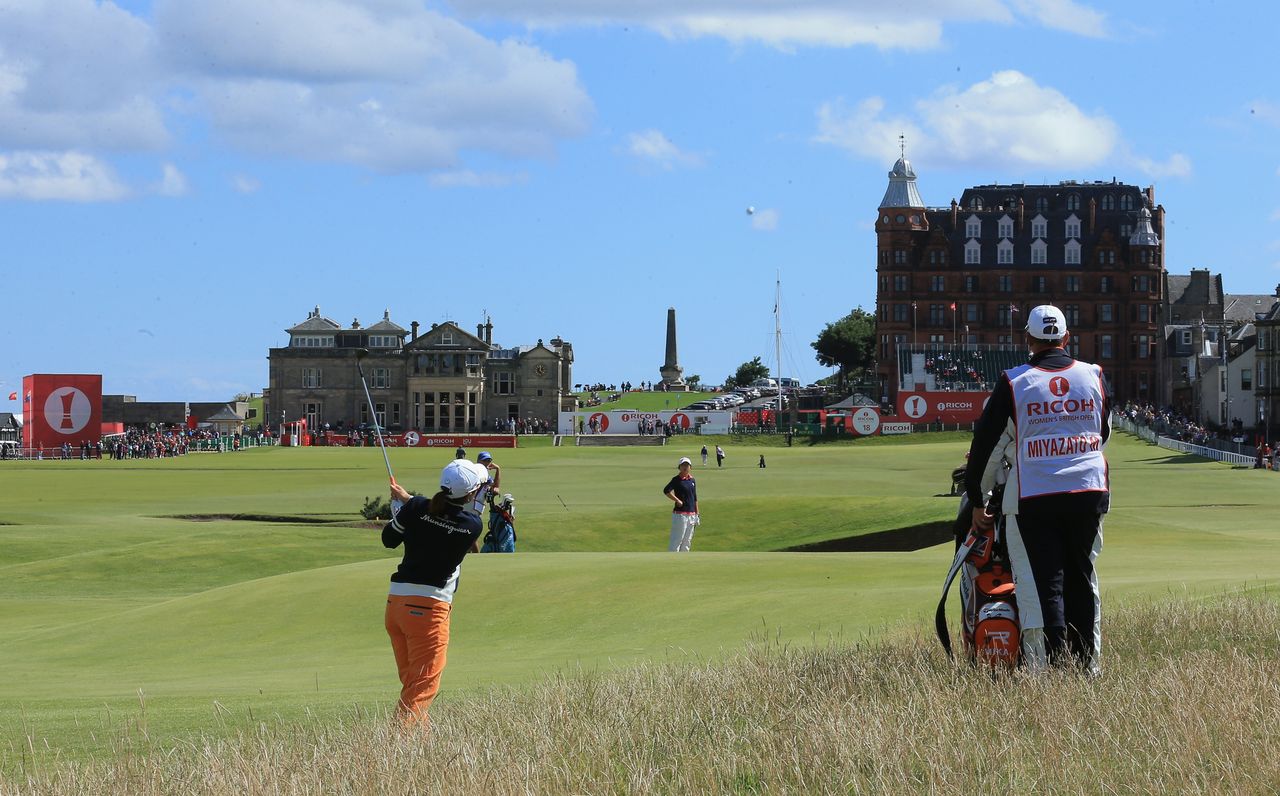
167	599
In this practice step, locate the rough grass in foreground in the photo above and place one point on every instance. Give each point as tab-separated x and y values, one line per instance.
1189	703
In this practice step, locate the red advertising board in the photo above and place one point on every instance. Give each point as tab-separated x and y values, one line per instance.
61	408
949	407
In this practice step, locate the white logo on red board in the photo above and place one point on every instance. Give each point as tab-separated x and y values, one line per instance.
67	410
601	419
1059	386
680	419
915	407
412	438
866	420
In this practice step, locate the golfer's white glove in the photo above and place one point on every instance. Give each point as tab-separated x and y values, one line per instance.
396	505
697	520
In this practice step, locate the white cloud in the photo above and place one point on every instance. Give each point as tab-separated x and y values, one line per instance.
243	183
1064	15
1266	111
1178	165
765	220
173	183
654	146
389	85
465	178
786	24
76	74
1006	121
65	176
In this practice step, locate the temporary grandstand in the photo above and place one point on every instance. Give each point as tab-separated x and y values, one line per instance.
961	367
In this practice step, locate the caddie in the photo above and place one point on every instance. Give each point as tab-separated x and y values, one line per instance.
1056	409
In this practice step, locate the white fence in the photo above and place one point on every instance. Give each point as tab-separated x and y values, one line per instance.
1148	434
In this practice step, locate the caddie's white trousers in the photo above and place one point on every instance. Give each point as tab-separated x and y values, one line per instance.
682	526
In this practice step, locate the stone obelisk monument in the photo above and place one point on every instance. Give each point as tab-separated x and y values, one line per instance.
672	373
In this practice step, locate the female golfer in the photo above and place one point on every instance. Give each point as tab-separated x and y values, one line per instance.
437	534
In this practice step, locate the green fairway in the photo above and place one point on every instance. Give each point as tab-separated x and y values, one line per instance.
114	611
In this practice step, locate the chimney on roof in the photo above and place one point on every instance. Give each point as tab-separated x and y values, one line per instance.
1093	213
954	208
413	331
488	330
355	323
480	330
1022	213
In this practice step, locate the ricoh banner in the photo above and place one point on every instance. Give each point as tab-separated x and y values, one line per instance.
625	421
949	407
61	408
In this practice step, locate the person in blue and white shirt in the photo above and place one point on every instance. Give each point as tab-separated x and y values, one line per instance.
1054	414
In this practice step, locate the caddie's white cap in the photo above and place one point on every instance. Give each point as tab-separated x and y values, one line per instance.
459	478
1046	322
683	460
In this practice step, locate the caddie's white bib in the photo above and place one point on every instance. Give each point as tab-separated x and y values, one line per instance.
1058	416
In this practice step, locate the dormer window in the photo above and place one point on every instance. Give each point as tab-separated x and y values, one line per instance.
1126	202
1042	204
1004	227
973	253
1108	202
446	338
1039	227
973	227
975	203
1072	227
1039	253
1073	201
1004	253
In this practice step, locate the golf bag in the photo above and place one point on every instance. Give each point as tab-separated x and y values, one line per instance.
501	537
988	603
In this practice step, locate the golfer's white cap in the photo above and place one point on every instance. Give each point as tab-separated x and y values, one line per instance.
459	478
683	460
1046	322
482	472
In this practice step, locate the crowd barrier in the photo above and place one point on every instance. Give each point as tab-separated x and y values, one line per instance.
1125	424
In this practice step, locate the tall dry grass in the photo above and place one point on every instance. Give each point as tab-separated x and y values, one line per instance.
1189	703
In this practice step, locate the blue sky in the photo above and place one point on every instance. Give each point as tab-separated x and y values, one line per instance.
180	182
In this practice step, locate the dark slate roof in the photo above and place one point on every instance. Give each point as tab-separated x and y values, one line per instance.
9	420
1186	289
387	325
315	322
222	415
1246	307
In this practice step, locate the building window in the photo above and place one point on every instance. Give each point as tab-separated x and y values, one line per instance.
473	364
972	313
1072	284
1039	227
1106	313
937	315
1042	204
1126	202
1071	253
1142	346
971	284
1039	253
1004	227
1004	283
381	380
900	282
1073	201
1105	347
446	338
1004	316
380	412
395	413
884	283
503	384
972	253
937	338
1142	283
899	257
1039	284
938	283
1073	227
1073	346
1143	313
311	377
975	203
973	227
1105	284
1073	315
900	312
1246	379
1125	230
1004	253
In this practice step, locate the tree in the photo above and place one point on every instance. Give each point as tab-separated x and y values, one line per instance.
747	372
694	382
848	344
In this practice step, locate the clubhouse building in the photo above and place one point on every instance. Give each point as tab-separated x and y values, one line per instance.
444	380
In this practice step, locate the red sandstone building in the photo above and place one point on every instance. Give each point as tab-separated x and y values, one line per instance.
966	275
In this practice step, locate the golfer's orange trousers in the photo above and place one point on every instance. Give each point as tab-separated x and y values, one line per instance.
419	631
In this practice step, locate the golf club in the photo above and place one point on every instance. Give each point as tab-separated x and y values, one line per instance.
361	353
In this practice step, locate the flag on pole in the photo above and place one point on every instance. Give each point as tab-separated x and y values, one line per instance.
13	396
1013	308
953	306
